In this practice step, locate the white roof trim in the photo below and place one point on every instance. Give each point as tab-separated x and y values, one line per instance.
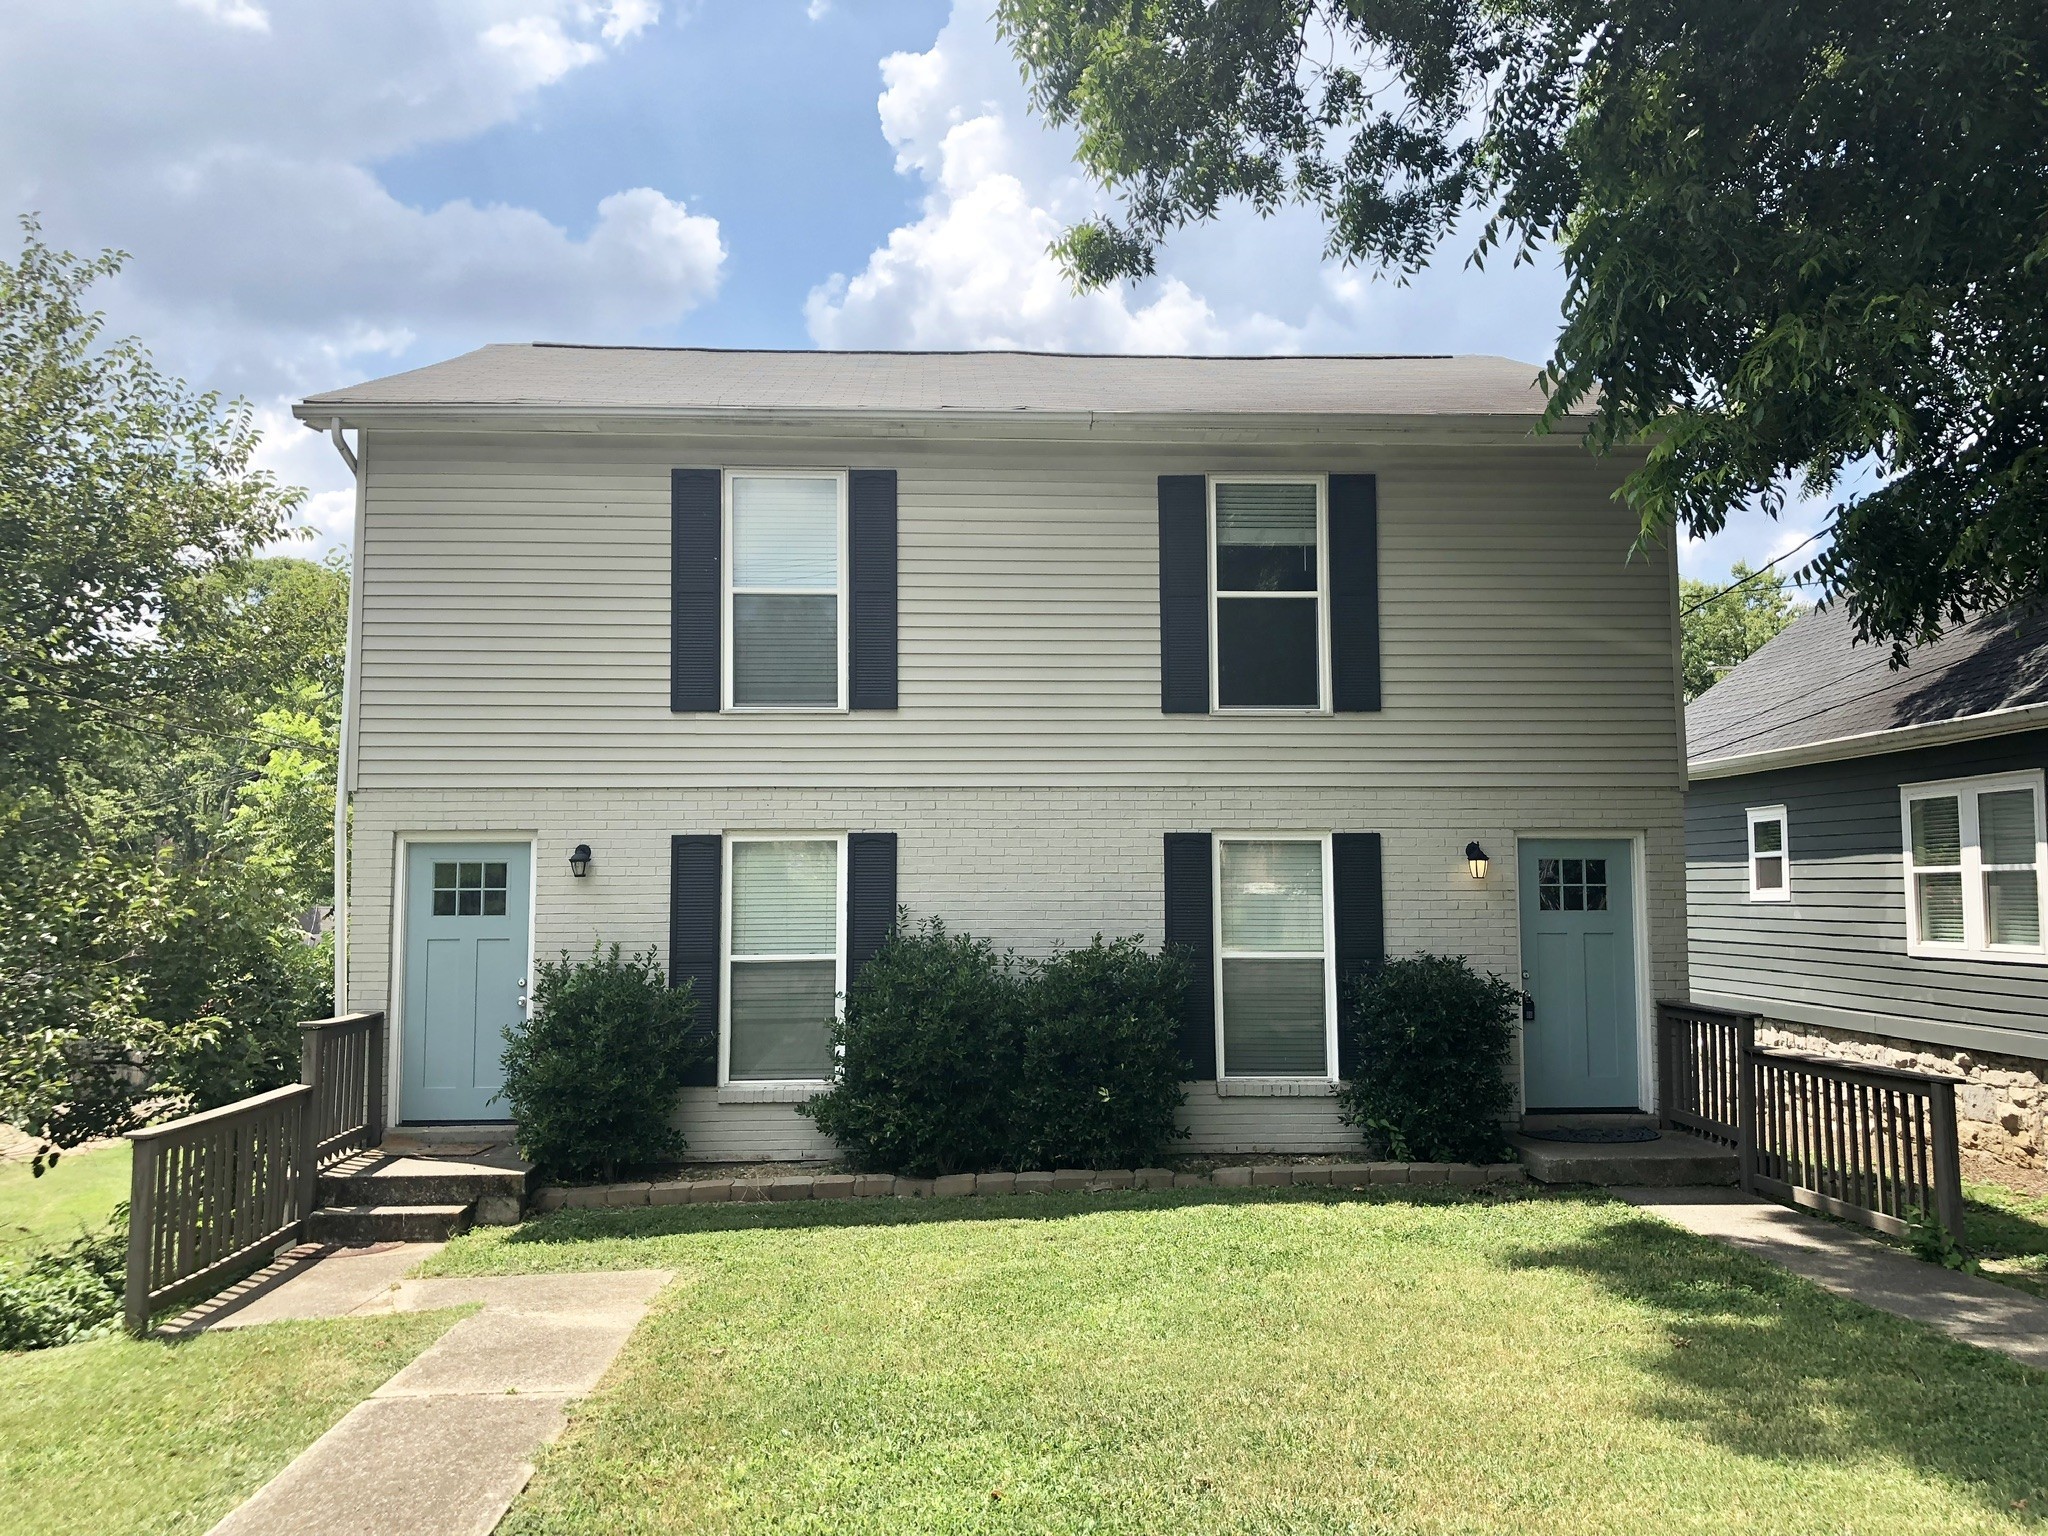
1902	738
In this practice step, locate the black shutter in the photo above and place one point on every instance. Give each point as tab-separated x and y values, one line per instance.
693	588
1354	593
695	880
1183	595
1191	927
1361	921
870	896
871	544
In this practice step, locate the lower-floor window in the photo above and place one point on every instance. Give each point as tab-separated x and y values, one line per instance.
786	949
1273	918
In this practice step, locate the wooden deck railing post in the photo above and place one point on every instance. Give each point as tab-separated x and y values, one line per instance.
1667	1029
1948	1172
312	1067
1745	1101
141	1232
377	1069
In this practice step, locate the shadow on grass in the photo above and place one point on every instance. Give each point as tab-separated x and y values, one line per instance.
1767	1365
667	1220
1997	1221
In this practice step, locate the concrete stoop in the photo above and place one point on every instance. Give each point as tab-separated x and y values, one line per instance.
399	1195
1672	1161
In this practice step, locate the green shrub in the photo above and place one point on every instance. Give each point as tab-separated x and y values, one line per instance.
66	1294
1102	1065
929	1055
592	1077
1430	1039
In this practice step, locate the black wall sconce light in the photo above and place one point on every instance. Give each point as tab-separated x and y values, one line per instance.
1475	860
579	861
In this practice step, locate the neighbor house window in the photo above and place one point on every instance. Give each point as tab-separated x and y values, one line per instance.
1278	1015
1266	550
1770	854
1974	863
785	967
785	595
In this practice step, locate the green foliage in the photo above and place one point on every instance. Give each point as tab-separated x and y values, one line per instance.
1722	628
1102	1067
930	1053
1430	1039
956	1057
168	704
1798	236
1931	1241
63	1295
591	1078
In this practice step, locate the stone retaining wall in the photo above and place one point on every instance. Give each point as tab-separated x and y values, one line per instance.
2001	1101
865	1186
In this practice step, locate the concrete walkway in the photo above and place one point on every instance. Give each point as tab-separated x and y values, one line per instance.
446	1444
1843	1260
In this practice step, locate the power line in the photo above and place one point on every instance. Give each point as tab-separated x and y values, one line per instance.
1760	571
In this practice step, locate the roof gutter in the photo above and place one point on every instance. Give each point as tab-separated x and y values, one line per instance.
1903	738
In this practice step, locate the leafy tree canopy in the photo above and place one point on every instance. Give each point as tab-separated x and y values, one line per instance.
1725	625
1797	235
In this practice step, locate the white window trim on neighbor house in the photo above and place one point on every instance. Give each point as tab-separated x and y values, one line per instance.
1276	1085
728	631
772	1089
1976	944
1760	815
1322	705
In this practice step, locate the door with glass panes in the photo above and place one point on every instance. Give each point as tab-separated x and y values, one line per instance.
1579	1051
466	926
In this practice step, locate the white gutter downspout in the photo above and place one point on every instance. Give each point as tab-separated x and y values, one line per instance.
342	764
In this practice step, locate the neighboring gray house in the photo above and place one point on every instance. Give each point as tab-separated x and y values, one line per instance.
1865	854
1236	653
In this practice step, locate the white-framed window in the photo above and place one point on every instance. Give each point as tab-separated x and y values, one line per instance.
1975	858
785	589
1770	854
785	956
1269	593
1276	982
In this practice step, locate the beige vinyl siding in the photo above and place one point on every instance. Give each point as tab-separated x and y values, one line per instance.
515	622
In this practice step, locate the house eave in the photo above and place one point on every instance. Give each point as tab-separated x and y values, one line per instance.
1904	738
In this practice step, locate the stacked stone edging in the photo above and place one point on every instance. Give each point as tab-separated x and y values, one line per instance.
875	1186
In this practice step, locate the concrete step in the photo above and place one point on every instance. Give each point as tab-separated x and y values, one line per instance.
1602	1119
1672	1161
497	1182
354	1226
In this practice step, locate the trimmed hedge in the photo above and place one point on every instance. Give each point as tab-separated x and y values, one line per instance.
1430	1040
957	1058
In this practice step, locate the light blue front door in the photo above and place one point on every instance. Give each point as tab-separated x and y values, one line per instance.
466	957
1579	968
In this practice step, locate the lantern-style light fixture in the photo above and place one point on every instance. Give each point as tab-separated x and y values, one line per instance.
1475	860
579	861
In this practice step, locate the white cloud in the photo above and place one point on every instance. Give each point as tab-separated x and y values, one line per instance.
234	152
973	269
817	9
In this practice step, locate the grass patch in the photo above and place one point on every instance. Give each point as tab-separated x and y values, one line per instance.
1293	1361
119	1436
2008	1232
75	1196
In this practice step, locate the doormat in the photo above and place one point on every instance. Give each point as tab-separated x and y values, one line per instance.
1597	1133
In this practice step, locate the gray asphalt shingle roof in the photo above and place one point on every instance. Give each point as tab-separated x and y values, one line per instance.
1813	684
541	376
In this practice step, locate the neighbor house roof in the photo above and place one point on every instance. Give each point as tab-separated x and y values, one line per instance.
1812	694
542	377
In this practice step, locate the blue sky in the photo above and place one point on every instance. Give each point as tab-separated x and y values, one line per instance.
315	193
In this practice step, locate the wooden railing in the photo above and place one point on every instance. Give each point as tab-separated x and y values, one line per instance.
211	1194
1870	1144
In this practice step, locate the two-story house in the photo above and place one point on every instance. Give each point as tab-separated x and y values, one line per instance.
1294	662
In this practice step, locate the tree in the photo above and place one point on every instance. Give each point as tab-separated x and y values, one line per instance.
1797	235
163	694
1726	625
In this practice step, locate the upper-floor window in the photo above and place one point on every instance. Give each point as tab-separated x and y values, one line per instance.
1275	957
1974	864
785	598
785	958
1268	642
1770	854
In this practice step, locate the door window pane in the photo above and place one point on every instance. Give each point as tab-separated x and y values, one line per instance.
785	898
785	531
1273	897
1273	1018
785	649
1265	537
781	1020
469	889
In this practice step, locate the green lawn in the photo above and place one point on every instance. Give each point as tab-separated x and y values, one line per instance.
79	1193
2009	1233
116	1436
1298	1361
